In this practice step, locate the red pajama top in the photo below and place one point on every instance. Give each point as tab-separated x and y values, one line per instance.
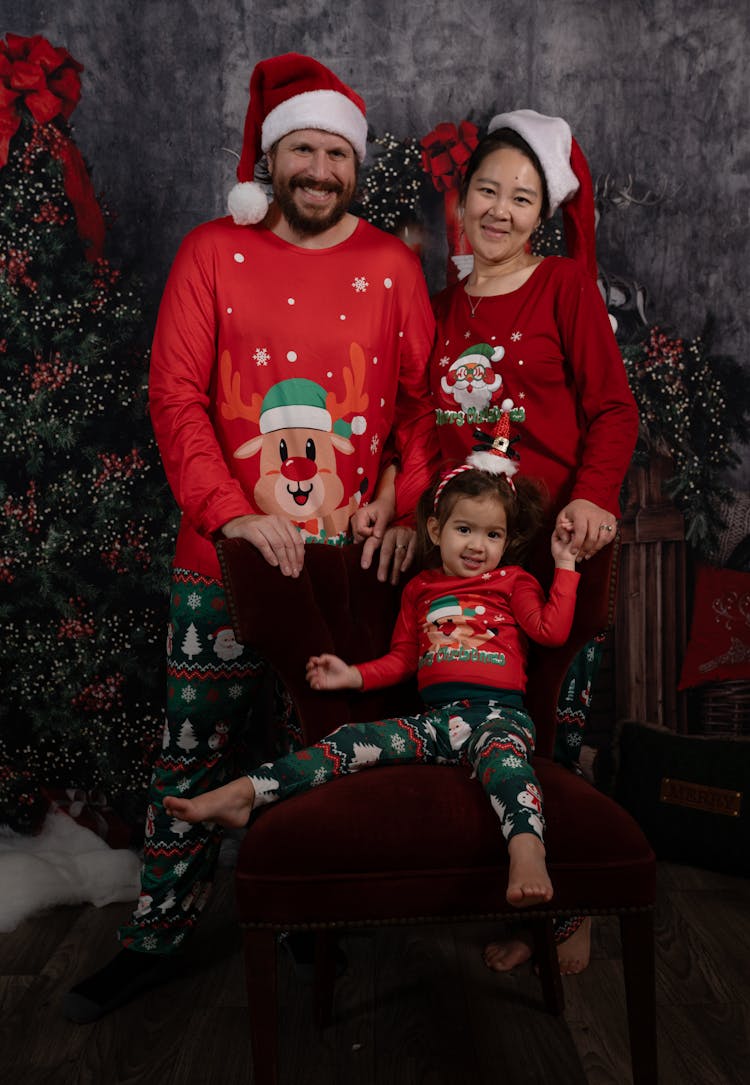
473	630
547	347
284	378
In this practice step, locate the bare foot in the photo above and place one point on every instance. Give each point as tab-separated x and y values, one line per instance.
574	953
230	805
504	956
528	880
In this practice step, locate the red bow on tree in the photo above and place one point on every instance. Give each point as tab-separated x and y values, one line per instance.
46	81
445	152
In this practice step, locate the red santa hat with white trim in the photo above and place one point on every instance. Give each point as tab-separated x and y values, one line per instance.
566	173
288	93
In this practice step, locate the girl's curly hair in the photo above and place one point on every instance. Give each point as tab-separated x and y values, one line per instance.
524	510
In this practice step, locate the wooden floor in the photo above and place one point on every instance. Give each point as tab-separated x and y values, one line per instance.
415	1007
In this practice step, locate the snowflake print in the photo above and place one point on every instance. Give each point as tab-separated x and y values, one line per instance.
180	868
150	942
178	938
319	777
445	360
374	443
512	761
189	694
262	356
360	284
235	691
516	337
194	600
498	617
398	743
522	395
183	784
574	739
486	576
467	335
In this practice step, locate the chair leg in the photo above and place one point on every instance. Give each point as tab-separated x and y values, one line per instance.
262	1001
639	967
325	977
545	952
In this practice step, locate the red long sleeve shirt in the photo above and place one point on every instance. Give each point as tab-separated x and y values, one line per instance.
547	346
281	376
473	631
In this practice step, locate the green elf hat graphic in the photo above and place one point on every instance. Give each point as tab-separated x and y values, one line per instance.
448	606
299	403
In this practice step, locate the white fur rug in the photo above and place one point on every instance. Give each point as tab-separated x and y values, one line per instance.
64	864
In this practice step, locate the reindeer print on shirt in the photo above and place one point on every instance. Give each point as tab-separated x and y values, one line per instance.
302	427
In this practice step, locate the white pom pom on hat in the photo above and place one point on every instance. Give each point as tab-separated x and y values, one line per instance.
289	93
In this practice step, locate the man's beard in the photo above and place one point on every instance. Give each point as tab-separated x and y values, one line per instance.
311	223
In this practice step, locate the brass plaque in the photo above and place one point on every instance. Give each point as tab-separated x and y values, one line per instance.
712	800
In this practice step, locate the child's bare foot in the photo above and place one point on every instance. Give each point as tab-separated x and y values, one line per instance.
574	953
230	805
528	880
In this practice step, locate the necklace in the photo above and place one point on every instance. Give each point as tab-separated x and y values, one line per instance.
476	304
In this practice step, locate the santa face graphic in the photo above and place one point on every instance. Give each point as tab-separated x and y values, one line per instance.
471	380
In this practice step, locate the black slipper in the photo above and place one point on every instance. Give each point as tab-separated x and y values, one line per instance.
127	975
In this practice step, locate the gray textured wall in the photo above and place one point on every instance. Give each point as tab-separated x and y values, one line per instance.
653	88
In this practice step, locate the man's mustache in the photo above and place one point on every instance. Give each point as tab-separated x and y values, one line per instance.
320	186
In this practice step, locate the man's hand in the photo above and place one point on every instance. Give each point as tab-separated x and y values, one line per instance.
277	539
593	527
330	672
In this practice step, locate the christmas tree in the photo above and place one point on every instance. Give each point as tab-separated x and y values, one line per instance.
85	518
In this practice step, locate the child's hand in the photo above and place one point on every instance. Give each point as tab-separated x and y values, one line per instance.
562	541
330	672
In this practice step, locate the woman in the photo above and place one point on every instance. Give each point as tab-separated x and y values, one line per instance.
530	335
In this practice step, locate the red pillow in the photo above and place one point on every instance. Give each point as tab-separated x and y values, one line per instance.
719	645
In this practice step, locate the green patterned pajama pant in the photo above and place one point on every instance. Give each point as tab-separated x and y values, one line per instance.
494	739
213	687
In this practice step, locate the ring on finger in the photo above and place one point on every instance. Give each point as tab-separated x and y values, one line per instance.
605	527
401	546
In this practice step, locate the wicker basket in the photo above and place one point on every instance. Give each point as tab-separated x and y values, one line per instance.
725	709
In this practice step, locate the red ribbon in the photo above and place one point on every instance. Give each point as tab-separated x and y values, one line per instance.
46	81
445	152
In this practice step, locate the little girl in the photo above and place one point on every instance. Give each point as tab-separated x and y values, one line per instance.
463	628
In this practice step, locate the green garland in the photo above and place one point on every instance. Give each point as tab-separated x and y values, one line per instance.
694	408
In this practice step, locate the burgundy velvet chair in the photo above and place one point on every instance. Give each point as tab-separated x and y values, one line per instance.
418	843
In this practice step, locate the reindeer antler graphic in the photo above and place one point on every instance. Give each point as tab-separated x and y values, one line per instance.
355	398
233	405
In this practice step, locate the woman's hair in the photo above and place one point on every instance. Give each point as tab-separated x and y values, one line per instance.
524	509
503	137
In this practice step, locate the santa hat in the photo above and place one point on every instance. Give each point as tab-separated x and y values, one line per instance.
566	173
493	453
447	606
298	403
288	93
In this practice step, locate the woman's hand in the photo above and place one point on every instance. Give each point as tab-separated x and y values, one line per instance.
330	672
593	528
277	539
397	552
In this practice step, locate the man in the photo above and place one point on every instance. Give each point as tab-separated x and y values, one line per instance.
288	374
